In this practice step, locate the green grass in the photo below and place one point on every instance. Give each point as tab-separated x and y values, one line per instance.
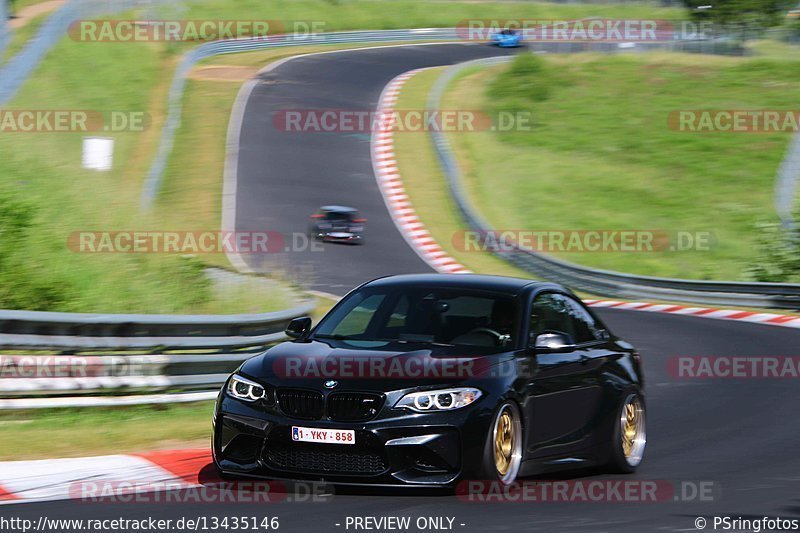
601	156
20	36
100	431
43	170
427	188
20	4
393	14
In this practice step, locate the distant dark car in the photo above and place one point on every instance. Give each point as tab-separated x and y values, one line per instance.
431	379
337	223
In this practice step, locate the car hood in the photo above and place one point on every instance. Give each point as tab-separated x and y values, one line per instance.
374	368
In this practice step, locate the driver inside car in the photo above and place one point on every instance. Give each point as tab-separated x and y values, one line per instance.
498	330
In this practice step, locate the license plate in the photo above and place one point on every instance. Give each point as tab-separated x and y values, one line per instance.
324	436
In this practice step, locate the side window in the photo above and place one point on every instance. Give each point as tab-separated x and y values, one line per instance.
550	313
585	327
399	314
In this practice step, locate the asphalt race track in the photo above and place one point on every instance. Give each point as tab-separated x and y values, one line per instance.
284	177
738	436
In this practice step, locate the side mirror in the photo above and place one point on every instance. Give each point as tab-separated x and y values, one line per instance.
552	342
298	327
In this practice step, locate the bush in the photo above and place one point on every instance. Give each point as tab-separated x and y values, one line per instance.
22	285
526	82
36	274
16	218
778	256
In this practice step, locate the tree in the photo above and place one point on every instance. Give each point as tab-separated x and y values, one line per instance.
745	18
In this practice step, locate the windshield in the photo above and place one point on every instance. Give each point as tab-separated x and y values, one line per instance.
340	216
423	315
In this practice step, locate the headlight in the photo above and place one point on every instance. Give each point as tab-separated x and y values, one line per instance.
244	389
439	400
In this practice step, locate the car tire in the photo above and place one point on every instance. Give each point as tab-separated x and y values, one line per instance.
502	456
628	435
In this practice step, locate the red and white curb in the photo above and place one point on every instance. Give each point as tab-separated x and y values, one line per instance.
63	479
391	185
753	317
421	241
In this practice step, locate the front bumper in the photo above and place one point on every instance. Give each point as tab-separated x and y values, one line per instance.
399	448
508	43
337	236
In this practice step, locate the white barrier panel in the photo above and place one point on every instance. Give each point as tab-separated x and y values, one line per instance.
98	153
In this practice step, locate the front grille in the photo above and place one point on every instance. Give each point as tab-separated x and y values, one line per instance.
353	406
311	458
341	406
299	403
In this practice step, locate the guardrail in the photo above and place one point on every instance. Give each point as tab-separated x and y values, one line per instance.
786	185
14	73
600	282
146	358
4	29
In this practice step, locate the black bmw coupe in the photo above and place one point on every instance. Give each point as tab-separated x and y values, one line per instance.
432	379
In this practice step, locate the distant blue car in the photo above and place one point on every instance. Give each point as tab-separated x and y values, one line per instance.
507	38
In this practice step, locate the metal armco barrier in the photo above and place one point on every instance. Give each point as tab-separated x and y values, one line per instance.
786	185
143	358
601	282
14	73
4	28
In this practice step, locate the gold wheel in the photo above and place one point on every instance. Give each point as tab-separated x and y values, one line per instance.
507	444
503	440
633	435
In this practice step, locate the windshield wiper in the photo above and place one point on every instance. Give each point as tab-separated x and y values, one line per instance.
424	341
339	337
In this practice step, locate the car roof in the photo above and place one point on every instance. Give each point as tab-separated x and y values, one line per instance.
338	208
485	282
